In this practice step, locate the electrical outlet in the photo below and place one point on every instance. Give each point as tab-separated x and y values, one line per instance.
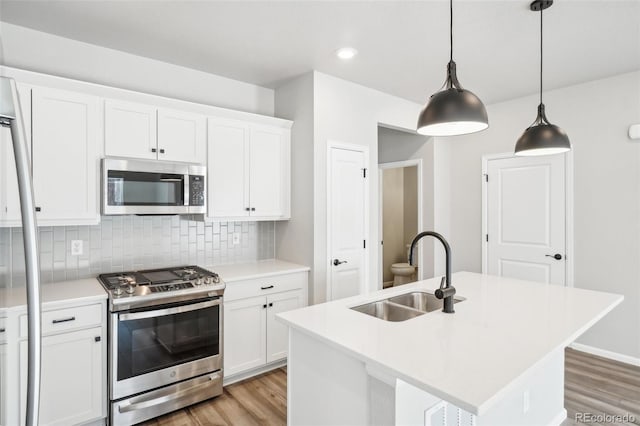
76	247
526	396
236	238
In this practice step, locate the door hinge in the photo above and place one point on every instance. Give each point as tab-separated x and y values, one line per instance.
364	244
486	237
486	177
364	172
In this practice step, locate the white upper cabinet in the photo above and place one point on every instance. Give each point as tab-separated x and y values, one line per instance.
145	131
269	165
130	130
9	197
182	136
66	151
228	170
249	169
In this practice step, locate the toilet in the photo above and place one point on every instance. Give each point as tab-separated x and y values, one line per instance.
402	273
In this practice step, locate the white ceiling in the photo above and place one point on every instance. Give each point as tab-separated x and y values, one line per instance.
403	45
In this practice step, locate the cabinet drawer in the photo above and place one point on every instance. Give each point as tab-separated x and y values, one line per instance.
66	319
3	330
263	286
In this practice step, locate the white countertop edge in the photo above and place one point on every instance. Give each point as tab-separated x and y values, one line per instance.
267	274
478	409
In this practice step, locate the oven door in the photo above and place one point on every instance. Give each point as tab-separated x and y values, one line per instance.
154	347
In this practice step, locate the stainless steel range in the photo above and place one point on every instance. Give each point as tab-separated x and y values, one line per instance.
165	340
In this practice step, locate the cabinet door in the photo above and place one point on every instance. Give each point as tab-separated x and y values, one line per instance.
66	148
72	388
66	153
245	330
278	333
269	165
4	391
181	136
228	156
130	130
9	197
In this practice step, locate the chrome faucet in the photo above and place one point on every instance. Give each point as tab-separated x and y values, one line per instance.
446	290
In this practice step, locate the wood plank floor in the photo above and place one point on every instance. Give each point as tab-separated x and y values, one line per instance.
592	385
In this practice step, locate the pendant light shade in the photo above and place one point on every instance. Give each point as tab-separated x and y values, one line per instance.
453	110
542	137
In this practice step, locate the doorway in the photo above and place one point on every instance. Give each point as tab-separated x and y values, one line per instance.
400	213
347	219
525	218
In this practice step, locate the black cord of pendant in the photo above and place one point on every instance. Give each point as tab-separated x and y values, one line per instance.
541	35
451	30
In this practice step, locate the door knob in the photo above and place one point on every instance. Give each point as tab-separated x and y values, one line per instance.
556	256
337	262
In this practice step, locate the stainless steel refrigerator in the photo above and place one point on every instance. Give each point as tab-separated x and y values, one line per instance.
11	116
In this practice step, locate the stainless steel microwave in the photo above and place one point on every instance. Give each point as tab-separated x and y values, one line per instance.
152	187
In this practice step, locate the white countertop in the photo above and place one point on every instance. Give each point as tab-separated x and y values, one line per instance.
470	358
260	269
84	290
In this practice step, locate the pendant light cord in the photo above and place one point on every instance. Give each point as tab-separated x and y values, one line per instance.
451	30
541	35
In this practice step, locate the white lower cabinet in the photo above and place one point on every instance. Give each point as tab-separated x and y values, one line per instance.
253	337
245	334
3	384
278	333
73	387
72	383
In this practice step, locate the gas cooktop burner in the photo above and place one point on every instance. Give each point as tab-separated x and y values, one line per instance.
125	285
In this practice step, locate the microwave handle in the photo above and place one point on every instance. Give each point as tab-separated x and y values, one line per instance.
169	311
187	190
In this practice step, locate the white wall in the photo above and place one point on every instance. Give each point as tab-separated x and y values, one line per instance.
349	113
294	237
596	116
32	50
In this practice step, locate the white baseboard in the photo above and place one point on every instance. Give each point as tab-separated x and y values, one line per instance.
253	372
627	359
561	417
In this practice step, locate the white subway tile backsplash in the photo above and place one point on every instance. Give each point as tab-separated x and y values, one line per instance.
121	243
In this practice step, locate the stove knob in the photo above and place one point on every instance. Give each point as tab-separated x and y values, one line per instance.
130	289
216	278
198	281
117	291
208	280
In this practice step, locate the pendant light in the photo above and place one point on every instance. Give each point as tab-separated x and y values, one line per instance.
542	137
453	110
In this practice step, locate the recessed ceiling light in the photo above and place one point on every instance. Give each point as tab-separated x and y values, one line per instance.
346	53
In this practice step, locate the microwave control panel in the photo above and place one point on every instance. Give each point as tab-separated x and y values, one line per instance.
196	189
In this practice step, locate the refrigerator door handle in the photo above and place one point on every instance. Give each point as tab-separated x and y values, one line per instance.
11	116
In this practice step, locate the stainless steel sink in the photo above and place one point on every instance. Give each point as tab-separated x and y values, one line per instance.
387	311
425	302
404	306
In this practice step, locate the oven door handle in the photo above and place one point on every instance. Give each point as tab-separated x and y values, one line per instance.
128	406
169	311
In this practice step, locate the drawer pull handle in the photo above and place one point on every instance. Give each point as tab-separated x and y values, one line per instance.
58	321
97	338
266	288
2	330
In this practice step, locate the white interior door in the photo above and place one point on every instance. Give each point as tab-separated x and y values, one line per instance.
346	220
526	218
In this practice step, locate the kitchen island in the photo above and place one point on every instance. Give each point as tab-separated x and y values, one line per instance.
498	360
